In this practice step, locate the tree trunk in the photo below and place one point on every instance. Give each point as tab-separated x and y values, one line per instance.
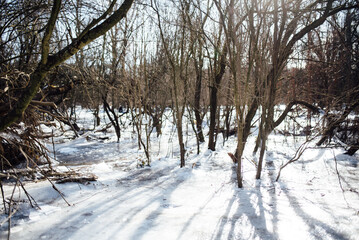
212	118
213	101
197	105
113	118
18	110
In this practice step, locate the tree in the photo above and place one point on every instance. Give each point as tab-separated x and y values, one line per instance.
332	68
92	31
219	67
196	24
176	50
285	35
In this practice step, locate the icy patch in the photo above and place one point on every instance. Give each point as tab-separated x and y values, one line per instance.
68	150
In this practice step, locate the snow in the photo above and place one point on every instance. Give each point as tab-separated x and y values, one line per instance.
199	201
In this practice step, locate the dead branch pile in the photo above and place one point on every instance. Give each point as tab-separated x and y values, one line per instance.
343	125
18	176
21	142
21	148
30	174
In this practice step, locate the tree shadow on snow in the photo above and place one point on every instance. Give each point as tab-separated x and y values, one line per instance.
97	215
198	213
245	211
316	227
247	215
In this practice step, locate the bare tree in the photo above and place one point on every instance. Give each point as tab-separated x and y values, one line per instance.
287	32
176	53
93	30
219	67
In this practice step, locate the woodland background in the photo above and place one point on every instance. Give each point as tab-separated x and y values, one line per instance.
229	59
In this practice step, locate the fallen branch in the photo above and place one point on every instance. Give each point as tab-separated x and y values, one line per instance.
289	108
53	185
328	132
44	104
82	180
296	156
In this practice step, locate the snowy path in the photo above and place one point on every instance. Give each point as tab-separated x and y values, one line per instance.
200	201
165	202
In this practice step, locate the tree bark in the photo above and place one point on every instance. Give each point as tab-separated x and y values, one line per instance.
213	102
197	100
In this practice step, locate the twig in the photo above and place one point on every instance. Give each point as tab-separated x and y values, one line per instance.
69	121
44	174
339	180
31	199
297	155
45	104
3	195
15	176
53	144
10	212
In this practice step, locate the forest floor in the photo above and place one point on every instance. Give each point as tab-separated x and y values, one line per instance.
199	201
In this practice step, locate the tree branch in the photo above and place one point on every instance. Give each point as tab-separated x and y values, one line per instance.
91	35
97	20
289	108
48	32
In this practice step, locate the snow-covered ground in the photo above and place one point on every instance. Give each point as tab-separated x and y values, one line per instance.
199	201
